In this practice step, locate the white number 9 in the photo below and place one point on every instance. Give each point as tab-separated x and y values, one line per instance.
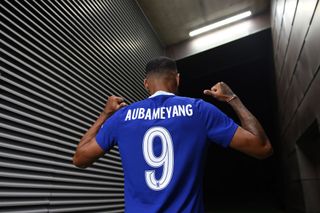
165	159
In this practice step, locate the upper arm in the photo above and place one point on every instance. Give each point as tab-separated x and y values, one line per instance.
87	153
246	142
103	141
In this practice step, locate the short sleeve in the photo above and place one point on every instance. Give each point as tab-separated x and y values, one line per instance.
107	135
219	127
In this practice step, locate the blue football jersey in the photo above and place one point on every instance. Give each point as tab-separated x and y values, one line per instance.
162	142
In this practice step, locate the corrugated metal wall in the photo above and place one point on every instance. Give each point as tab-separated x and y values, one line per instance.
60	60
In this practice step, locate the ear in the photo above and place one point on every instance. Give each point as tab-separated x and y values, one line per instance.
146	85
178	79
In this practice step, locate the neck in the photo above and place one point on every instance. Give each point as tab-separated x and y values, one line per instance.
165	89
164	83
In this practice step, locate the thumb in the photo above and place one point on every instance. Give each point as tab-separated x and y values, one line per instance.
123	104
208	92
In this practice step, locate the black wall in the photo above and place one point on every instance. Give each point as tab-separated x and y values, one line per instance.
233	180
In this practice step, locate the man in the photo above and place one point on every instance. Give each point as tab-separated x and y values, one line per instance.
162	141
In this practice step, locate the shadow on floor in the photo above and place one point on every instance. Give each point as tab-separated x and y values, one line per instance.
242	204
244	209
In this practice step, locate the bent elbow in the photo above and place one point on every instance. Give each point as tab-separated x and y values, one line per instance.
266	151
78	163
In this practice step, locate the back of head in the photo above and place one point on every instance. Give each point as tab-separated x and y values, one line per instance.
161	66
161	74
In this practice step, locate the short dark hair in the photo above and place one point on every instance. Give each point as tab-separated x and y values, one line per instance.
160	65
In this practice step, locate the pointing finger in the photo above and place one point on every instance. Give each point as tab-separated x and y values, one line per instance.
207	92
123	104
118	99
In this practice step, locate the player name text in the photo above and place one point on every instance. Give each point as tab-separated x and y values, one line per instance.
159	113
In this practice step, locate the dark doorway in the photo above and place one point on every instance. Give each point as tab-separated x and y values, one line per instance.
234	182
308	179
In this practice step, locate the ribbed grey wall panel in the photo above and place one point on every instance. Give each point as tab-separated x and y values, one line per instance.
60	60
297	65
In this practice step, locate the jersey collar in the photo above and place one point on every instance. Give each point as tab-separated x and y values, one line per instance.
160	92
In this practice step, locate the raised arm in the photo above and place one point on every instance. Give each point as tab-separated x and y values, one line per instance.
250	138
88	150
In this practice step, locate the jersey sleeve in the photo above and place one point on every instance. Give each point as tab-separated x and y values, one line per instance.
107	135
220	129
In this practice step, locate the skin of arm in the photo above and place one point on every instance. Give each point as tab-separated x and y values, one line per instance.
250	138
88	151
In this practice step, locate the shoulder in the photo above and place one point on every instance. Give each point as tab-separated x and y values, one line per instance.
185	99
197	102
134	105
199	105
137	104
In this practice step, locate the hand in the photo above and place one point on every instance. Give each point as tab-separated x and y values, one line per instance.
113	104
221	91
